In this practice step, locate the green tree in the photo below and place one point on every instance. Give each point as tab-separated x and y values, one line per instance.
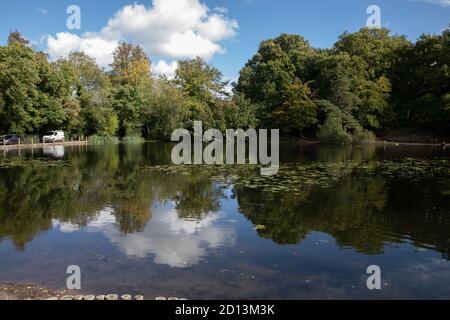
376	47
200	80
168	111
240	113
93	91
278	63
131	66
19	78
374	107
298	111
421	80
131	76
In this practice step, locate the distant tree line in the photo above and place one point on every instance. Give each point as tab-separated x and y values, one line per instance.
368	81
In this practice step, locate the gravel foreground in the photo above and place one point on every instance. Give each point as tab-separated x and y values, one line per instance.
12	291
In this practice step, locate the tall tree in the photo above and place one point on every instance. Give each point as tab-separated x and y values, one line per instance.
93	91
16	37
298	111
131	75
131	65
278	63
376	47
200	80
19	77
421	81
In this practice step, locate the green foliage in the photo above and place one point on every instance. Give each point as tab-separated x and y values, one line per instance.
166	112
131	65
278	63
340	126
297	112
332	131
369	80
363	137
376	48
19	78
132	86
103	140
421	81
133	139
240	113
199	80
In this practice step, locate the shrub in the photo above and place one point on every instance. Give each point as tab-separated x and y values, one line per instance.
134	139
103	140
363	137
332	131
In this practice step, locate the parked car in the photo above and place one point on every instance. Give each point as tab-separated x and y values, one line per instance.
11	140
53	136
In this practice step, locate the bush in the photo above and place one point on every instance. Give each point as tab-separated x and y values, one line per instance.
103	140
363	137
29	139
133	139
333	132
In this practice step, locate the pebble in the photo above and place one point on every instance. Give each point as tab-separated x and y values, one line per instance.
112	297
126	297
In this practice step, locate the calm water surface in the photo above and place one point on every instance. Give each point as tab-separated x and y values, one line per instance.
135	226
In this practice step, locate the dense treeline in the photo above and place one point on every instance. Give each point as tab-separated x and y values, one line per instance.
368	81
76	95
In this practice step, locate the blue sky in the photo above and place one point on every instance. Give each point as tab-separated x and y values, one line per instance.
226	32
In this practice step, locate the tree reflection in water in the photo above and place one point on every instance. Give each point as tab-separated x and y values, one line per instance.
363	208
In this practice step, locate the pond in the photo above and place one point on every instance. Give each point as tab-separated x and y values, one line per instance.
136	224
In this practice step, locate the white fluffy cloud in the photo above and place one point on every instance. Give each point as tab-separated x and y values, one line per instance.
95	46
169	29
167	69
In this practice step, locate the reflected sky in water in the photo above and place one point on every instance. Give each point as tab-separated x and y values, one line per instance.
198	234
178	243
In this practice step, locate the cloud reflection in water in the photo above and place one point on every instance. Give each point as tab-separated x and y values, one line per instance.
176	242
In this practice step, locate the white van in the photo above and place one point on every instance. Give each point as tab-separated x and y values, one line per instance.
53	136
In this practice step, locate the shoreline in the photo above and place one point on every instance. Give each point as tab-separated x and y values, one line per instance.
399	143
376	143
303	142
14	291
31	292
43	145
